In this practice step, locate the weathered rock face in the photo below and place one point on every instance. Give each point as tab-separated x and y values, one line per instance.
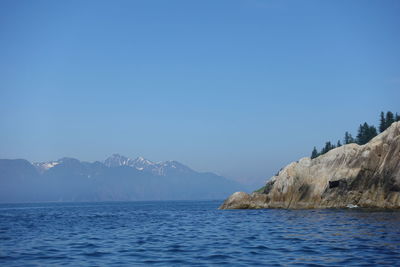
366	176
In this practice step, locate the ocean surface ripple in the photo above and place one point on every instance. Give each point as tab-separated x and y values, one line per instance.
178	233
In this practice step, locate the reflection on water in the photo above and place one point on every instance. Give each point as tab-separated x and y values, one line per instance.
189	232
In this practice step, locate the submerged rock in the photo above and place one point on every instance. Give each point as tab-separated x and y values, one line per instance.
350	175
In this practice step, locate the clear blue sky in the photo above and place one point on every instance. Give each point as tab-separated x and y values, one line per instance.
240	88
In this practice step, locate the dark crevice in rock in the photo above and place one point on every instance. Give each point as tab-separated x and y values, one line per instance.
333	184
304	190
268	187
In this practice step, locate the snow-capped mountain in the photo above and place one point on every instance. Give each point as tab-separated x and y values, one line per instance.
165	167
47	165
139	163
142	164
44	166
117	160
162	168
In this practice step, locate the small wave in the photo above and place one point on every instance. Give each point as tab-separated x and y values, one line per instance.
175	250
95	254
84	245
218	257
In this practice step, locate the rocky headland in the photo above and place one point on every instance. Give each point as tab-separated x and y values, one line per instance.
350	175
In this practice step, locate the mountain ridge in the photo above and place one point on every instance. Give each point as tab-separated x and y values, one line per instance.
115	178
117	160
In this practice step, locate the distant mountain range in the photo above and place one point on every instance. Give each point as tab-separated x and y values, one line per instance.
118	178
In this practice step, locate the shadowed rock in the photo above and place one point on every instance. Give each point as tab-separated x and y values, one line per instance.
366	176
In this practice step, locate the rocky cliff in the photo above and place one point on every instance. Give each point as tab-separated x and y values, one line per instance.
366	176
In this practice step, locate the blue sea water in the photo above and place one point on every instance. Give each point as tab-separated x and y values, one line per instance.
193	233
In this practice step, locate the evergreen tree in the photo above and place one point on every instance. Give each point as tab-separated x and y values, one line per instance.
382	124
348	139
338	144
362	132
372	132
397	118
389	119
314	153
365	133
361	135
328	146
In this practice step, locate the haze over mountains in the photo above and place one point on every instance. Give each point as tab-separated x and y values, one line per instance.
118	178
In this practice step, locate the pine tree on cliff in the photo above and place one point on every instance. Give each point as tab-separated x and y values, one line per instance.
361	136
328	146
397	117
365	133
314	153
372	132
338	144
348	139
382	124
389	119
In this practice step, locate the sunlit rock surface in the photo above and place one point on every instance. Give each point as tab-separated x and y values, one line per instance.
363	176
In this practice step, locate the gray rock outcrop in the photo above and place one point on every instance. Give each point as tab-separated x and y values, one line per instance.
363	176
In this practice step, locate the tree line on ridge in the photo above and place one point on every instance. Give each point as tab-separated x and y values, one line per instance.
365	133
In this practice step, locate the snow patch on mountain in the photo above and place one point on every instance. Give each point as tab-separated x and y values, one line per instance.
44	166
